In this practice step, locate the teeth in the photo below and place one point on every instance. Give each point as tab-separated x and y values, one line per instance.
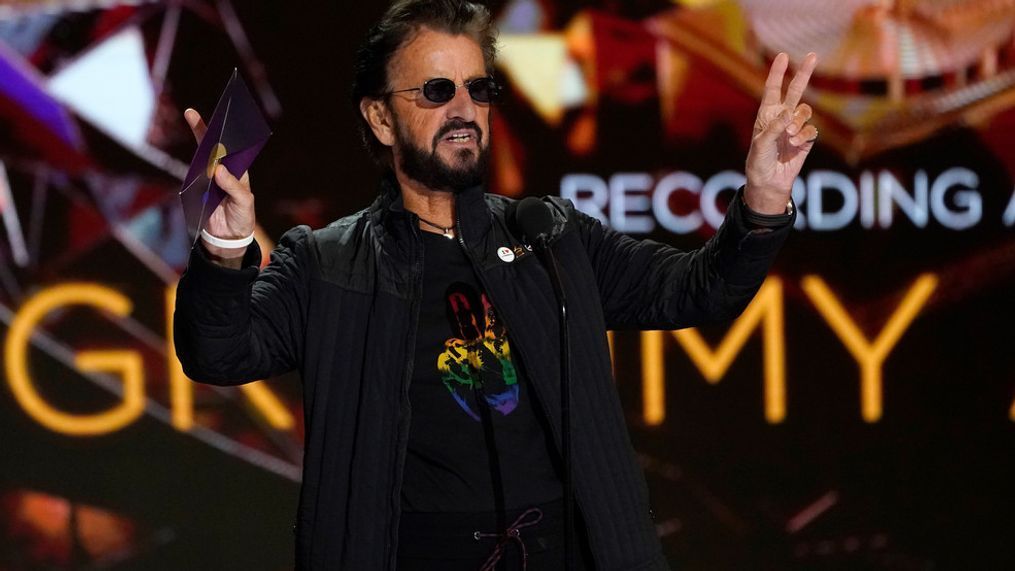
459	138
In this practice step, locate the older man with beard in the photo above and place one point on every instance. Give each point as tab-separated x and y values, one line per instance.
424	330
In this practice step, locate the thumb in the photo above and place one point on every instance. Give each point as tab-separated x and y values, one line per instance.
776	127
229	183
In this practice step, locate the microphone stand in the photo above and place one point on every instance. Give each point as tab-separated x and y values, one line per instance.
565	400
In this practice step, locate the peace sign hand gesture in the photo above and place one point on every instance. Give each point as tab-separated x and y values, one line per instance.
782	138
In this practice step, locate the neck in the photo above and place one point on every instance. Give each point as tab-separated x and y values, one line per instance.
437	206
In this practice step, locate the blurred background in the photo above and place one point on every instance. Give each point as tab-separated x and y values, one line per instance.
859	415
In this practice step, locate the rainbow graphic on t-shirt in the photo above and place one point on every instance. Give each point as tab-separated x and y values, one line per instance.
478	358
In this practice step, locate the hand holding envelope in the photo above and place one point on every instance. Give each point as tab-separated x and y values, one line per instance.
234	217
213	198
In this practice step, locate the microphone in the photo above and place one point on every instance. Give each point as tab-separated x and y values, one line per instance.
532	217
535	221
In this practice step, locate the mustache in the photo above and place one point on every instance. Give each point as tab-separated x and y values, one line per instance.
455	125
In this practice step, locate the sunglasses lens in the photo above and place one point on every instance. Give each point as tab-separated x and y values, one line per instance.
484	90
439	90
442	90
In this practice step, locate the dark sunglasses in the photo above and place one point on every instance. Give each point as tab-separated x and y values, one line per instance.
442	90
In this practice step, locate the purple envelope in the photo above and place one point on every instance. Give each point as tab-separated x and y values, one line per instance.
236	133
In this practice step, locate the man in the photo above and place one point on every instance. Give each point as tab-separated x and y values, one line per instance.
425	331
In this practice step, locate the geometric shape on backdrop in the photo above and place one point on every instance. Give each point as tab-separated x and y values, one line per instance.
35	120
9	215
574	89
162	229
236	133
26	33
535	64
625	60
878	40
521	17
110	86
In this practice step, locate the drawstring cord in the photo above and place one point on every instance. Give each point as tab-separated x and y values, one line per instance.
512	533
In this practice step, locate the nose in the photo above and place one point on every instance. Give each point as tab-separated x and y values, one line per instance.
461	105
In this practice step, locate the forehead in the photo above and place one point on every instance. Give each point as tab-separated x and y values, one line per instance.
430	53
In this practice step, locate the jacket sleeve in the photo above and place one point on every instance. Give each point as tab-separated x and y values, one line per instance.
235	326
649	285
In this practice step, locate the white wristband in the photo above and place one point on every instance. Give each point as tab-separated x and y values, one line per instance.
241	243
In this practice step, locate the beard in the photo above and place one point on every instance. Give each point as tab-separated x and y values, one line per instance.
429	169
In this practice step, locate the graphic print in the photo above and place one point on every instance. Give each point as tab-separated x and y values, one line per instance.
477	359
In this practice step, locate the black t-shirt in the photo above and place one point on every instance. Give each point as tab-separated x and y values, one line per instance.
476	441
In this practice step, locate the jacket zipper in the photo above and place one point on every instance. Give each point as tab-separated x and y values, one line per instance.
554	426
403	438
482	280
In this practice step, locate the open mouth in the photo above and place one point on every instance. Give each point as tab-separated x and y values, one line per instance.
460	137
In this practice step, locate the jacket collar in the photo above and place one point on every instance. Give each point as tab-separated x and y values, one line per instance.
388	212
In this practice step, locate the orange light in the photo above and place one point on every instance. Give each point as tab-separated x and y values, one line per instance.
653	378
713	364
613	355
870	356
181	389
765	308
127	363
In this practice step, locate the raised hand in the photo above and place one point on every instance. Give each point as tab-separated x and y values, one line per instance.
782	138
234	217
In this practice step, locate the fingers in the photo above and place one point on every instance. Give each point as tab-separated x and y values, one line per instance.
806	135
801	115
197	125
776	127
773	85
800	80
235	188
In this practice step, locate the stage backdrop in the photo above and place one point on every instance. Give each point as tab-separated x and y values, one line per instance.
859	415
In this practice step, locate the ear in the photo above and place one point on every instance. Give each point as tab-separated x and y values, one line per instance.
378	116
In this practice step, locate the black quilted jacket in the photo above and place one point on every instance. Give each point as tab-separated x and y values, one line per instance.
340	304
